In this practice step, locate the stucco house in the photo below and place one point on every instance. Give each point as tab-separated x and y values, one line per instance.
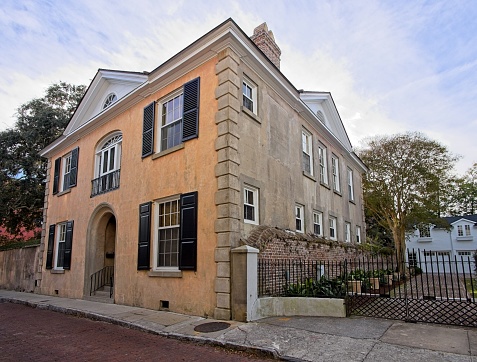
160	174
444	245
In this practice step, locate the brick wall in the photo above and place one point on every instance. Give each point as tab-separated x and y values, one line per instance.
275	243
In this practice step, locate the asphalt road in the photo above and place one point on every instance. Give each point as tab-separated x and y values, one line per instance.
30	334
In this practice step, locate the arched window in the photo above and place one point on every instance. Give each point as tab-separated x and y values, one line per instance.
110	99
108	164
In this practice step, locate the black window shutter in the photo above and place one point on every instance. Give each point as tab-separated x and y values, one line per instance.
49	250
56	176
188	232
190	116
148	130
144	236
74	167
68	244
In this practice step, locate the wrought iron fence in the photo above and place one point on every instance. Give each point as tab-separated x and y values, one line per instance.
414	277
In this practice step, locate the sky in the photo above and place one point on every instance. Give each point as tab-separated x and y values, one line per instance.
392	66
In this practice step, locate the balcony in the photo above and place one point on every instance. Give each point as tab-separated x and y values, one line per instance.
105	183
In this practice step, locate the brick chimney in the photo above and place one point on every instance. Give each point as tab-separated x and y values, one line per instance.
264	39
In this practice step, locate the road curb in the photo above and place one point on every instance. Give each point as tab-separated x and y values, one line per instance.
259	351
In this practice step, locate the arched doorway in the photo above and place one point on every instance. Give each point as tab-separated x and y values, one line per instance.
100	250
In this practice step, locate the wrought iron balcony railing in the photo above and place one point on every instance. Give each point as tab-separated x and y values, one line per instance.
105	183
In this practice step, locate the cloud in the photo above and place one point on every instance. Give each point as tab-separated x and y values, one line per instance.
390	66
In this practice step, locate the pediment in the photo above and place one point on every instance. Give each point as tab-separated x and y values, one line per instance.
107	88
324	109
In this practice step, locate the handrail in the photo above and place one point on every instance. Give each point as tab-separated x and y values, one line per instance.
101	278
105	183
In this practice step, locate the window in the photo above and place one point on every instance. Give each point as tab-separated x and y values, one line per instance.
464	253
467	230
318	223
333	235
108	165
171	121
323	165
60	246
424	230
335	172
66	171
412	259
168	234
347	232
249	96
358	234
299	224
250	205
175	233
178	119
460	231
306	141
60	238
110	99
350	185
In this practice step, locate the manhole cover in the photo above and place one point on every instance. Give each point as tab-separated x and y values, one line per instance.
211	327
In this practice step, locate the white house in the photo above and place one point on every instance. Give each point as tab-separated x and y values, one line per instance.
457	242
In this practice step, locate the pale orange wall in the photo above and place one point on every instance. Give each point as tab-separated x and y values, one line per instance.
143	180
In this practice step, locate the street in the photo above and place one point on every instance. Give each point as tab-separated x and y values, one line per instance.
32	334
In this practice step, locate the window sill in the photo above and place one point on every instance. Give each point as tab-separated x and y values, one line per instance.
165	273
424	240
325	185
337	193
169	150
251	114
309	175
57	271
465	238
352	202
64	192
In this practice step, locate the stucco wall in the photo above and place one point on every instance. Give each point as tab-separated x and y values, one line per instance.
17	269
270	151
142	180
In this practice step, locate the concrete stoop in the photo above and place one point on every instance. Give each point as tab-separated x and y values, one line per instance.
101	295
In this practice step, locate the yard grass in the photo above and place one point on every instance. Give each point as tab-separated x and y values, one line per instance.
472	291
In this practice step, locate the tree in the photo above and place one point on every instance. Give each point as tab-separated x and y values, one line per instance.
464	194
22	171
403	184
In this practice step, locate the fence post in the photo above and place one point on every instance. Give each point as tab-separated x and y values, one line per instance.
244	282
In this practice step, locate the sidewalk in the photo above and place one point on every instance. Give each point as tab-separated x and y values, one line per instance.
288	338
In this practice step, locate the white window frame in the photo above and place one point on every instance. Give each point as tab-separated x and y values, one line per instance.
460	230
318	221
251	204
110	99
333	228
166	226
249	92
323	159
176	120
350	184
424	230
65	171
347	231
110	144
60	240
358	234
299	218
467	230
307	150
464	253
335	172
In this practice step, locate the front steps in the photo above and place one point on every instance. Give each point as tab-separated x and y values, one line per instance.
101	295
